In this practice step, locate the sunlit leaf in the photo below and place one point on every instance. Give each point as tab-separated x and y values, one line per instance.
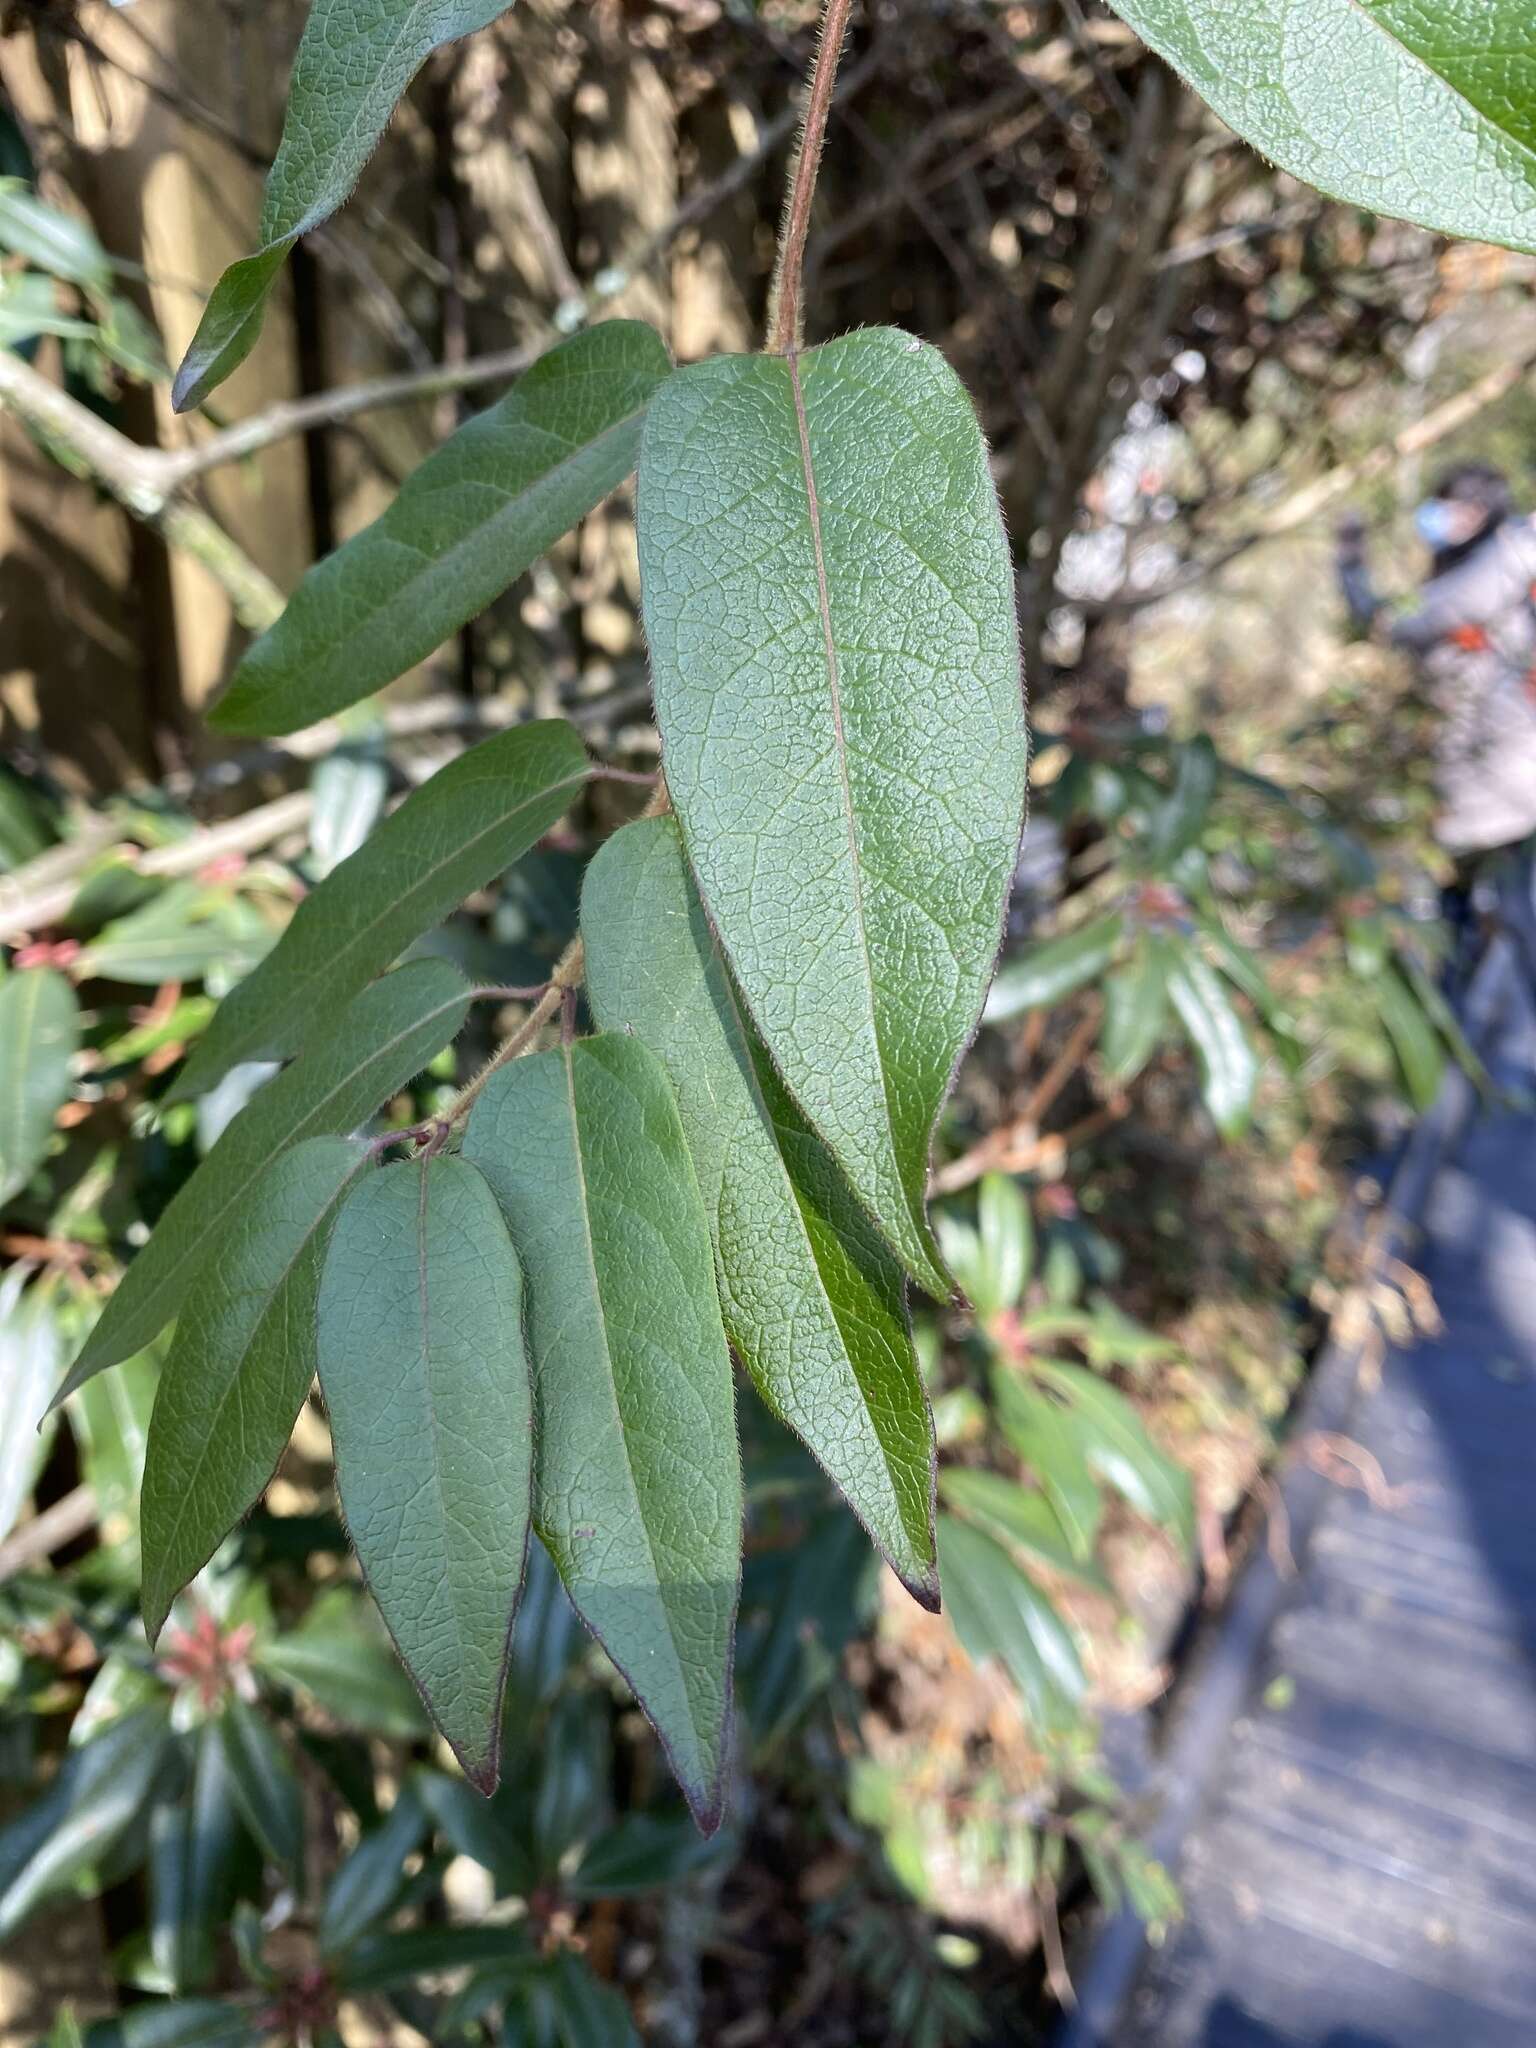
1229	1068
39	1031
998	1612
1049	971
1119	1450
1020	1515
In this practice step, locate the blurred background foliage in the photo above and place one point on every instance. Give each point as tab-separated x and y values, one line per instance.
1221	993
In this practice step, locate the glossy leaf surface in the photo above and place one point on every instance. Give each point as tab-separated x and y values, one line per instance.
1421	111
1118	1448
240	1366
1229	1067
1014	1514
373	1047
466	524
998	1612
1054	969
426	1381
812	1299
637	1479
453	835
39	1030
828	599
354	62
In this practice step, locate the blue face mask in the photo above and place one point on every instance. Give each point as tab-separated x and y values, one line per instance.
1439	525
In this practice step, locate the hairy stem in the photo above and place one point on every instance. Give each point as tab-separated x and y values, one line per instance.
785	319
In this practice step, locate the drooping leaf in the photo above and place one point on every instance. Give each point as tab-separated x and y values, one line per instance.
1007	1232
354	63
56	242
453	835
240	1366
1177	821
374	1045
1020	1515
641	1852
828	599
263	1784
1420	1054
465	526
637	1479
192	2023
811	1299
1135	1009
426	1380
181	933
1420	111
998	1612
29	1368
192	1863
1040	1431
1047	973
39	1030
1229	1068
1443	1018
340	1656
389	1961
369	1882
1120	1451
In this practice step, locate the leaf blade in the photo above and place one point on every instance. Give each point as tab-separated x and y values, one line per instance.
1229	1067
822	564
39	1031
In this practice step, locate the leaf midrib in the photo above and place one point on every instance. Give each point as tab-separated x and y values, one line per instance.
424	1302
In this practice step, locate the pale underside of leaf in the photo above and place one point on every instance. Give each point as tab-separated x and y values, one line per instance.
828	601
422	1365
812	1299
637	1481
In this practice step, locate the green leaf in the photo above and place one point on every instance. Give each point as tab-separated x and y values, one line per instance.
1420	111
999	1613
192	1852
374	1046
240	1366
1019	1515
180	934
191	2023
388	1962
354	63
1048	973
1135	1009
1040	1431
1444	1019
641	1852
465	526
110	1419
39	1030
1177	821
828	598
369	1882
263	1784
811	1299
1229	1069
425	1376
587	2013
350	788
485	1830
340	1658
56	242
1120	1451
637	1477
453	835
1007	1232
29	1367
1420	1054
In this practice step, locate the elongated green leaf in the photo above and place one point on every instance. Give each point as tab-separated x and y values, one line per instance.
1443	1018
263	1784
355	61
1120	1451
373	1047
1229	1069
192	2023
1054	969
240	1366
1176	822
996	1611
1020	1515
811	1298
637	1478
828	598
39	1030
1040	1431
1007	1235
467	524
341	1657
192	1857
1420	111
1135	1009
29	1367
453	835
426	1379
368	1883
1420	1054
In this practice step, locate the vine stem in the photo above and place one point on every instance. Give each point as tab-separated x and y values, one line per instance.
785	318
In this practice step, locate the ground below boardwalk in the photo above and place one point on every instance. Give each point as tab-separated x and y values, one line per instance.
1363	1874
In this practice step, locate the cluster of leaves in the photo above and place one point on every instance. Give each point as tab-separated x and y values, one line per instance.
56	279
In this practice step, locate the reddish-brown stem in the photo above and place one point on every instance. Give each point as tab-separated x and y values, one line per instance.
785	320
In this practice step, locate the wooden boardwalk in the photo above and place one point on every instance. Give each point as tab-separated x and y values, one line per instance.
1359	1859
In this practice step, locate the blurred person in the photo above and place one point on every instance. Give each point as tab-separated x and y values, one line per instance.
1473	636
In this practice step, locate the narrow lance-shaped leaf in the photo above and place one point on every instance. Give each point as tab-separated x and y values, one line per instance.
453	835
39	1030
354	63
1425	112
1120	1451
374	1046
1135	1009
1021	1515
1039	1430
1420	1054
637	1477
828	598
1054	969
29	1366
426	1380
1229	1068
996	1611
465	526
239	1368
811	1297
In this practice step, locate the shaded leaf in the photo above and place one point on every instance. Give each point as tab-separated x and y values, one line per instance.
369	1882
354	62
39	1031
348	1667
192	1852
371	1048
1041	1433
465	526
452	836
637	1479
641	1852
1049	972
997	1612
812	1301
191	2023
495	1832
1418	111
426	1381
828	599
1178	820
239	1368
387	1962
263	1784
1120	1451
1420	1054
1135	1009
1229	1069
1016	1514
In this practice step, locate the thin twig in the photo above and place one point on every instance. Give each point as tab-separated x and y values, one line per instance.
785	320
37	1540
